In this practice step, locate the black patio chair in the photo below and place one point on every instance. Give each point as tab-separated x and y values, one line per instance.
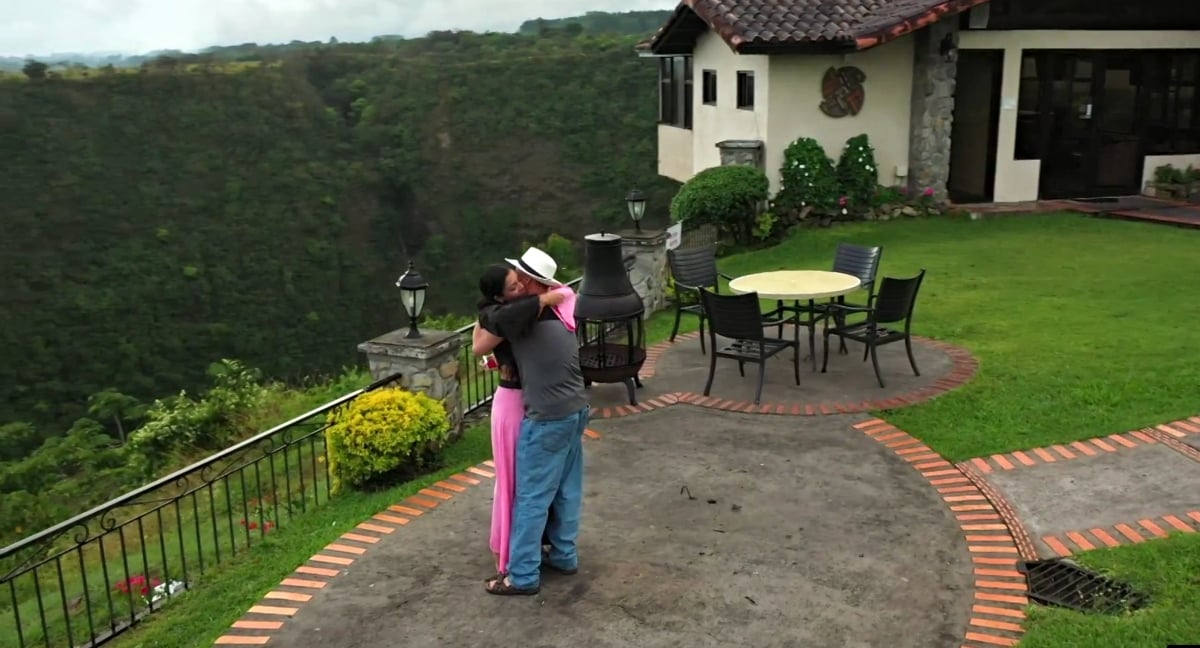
739	318
693	269
894	303
855	260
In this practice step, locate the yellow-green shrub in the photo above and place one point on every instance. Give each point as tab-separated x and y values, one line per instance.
383	431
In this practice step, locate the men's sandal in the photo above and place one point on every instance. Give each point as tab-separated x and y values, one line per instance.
500	587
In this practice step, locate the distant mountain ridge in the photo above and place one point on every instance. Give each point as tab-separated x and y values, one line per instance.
628	23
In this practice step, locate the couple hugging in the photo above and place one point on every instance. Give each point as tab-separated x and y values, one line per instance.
539	412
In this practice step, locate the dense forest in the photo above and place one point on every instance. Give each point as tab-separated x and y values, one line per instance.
163	217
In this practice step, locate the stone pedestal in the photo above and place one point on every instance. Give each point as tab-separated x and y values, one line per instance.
932	110
741	153
645	255
429	364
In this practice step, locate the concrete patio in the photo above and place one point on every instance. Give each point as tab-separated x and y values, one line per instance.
712	521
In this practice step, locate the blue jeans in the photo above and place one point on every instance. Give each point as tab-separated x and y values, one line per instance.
549	474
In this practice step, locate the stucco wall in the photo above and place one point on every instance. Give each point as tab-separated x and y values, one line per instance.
675	152
1017	180
712	124
796	97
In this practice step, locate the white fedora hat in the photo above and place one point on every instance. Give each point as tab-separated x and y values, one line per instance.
538	265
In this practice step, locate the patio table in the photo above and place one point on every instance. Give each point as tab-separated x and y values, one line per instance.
797	286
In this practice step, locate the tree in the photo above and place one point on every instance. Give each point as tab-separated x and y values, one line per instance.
112	405
17	441
35	70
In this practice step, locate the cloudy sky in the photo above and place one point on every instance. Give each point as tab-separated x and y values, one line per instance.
136	26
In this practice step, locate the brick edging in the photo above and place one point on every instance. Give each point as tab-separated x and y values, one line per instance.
298	589
998	590
1121	533
963	369
1167	434
1020	534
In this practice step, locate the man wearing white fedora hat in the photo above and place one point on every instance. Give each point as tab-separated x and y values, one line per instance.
549	470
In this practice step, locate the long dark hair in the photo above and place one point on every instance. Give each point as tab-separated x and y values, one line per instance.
491	284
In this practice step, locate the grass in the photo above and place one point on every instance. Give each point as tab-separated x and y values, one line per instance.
1078	322
1168	570
222	595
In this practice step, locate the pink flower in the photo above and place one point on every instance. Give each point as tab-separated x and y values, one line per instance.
842	201
928	191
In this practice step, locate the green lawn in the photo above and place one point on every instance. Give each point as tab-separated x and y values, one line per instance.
1168	570
1082	326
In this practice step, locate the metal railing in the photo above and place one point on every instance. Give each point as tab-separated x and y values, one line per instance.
86	580
479	384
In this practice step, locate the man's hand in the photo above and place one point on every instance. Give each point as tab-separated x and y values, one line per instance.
552	298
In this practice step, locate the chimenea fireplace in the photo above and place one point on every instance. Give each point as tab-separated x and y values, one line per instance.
609	317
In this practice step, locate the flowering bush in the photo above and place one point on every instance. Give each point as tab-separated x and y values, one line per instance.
807	179
857	174
382	432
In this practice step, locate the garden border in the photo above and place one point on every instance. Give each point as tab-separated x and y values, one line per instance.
1121	533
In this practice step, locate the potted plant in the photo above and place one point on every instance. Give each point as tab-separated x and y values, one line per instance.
1169	182
1192	176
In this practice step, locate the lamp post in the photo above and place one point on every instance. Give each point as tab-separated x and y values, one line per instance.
635	200
412	294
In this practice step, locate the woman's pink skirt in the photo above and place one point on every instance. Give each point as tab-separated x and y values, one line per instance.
508	408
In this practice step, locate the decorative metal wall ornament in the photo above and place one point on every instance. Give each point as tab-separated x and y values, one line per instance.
842	89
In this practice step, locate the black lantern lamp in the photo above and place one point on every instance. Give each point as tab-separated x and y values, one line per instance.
412	294
636	202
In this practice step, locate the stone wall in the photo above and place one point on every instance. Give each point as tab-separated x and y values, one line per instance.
741	153
646	260
429	364
932	110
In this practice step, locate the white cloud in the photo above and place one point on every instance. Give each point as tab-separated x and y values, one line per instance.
137	26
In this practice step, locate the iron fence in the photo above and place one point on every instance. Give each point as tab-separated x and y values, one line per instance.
86	580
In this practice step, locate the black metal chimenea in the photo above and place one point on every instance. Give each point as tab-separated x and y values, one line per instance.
609	316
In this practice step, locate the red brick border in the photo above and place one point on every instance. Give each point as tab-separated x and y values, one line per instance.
1020	534
999	592
256	626
1065	544
1167	434
963	368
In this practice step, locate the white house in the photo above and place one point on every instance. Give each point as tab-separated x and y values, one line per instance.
1000	100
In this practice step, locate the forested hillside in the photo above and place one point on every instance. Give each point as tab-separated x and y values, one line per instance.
600	22
164	217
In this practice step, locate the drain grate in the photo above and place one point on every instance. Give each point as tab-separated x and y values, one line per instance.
1066	584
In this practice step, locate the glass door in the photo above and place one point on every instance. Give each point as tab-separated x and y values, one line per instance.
1068	163
1118	169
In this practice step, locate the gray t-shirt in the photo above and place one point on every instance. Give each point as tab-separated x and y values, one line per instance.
547	359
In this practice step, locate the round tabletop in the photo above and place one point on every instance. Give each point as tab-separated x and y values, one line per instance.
795	284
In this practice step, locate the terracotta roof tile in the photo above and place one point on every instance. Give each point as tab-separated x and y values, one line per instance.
860	23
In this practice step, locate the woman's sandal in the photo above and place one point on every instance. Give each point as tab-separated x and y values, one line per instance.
501	587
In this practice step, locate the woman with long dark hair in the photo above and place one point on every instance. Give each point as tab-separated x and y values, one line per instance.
500	285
